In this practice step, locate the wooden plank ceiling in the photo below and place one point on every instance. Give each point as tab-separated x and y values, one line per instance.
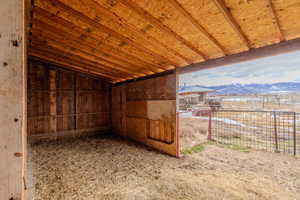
126	39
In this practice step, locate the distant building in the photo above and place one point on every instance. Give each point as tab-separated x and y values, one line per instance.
191	95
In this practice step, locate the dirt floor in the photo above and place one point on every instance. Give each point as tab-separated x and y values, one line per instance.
107	168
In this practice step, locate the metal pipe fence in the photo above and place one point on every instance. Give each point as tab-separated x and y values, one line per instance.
273	131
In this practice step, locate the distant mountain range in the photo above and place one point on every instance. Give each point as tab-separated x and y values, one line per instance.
285	87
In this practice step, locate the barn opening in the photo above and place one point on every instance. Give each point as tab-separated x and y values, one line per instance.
251	104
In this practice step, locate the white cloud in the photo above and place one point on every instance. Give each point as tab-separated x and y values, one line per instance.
281	68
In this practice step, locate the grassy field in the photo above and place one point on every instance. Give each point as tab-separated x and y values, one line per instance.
280	102
271	127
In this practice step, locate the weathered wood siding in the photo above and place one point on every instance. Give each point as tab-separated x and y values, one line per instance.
145	111
66	103
12	98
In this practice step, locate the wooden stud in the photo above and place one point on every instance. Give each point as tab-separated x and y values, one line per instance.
52	97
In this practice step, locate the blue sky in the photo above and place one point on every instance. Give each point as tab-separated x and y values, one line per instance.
280	68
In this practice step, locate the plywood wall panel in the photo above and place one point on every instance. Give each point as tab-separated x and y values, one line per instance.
149	112
160	88
137	128
136	109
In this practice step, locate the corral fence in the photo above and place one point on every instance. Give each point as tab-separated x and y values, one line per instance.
273	131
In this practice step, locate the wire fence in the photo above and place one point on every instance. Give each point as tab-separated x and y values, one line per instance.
273	131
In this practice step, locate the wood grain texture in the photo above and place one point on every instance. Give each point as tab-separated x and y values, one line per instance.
61	101
12	98
145	111
129	39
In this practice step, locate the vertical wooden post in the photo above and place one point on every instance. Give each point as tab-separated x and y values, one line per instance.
53	106
12	99
294	135
209	125
275	132
177	131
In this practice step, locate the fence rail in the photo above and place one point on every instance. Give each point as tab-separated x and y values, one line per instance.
274	131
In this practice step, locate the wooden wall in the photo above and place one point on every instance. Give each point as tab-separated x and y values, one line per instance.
145	111
66	103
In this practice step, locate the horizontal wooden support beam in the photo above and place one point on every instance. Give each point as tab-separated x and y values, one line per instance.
253	54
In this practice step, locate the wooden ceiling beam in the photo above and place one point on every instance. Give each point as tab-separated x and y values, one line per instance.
141	34
201	29
79	61
81	16
69	64
143	13
275	20
48	32
42	58
100	43
229	18
69	50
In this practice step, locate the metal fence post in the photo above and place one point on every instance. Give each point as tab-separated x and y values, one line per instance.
275	132
209	126
294	134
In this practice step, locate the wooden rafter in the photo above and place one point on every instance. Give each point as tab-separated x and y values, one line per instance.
122	22
100	42
63	39
38	56
66	49
43	46
229	18
58	60
143	13
81	16
78	62
202	30
275	20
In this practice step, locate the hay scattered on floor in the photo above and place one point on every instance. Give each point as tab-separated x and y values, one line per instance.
107	168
